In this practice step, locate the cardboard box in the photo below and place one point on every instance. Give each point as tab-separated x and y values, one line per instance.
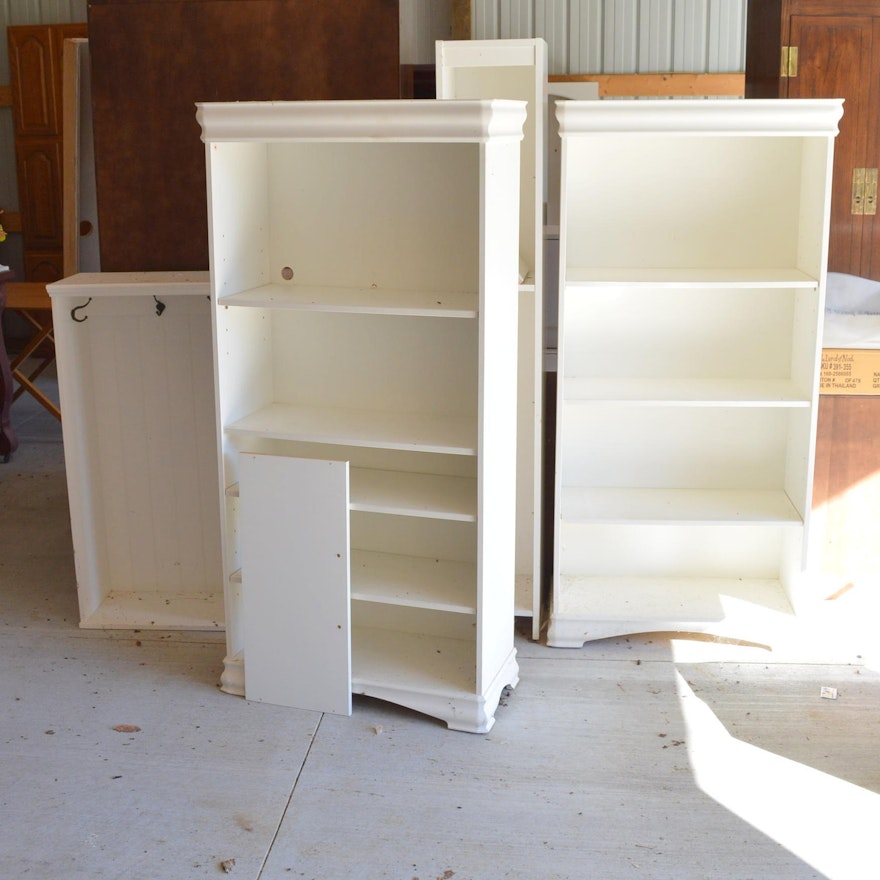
850	371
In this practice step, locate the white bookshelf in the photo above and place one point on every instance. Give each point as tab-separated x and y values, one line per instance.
137	397
517	69
693	244
364	276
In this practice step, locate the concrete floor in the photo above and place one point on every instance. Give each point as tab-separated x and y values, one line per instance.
642	757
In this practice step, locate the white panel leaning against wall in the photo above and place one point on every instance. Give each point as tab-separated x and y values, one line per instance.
623	36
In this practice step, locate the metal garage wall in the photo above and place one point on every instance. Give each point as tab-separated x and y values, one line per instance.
623	36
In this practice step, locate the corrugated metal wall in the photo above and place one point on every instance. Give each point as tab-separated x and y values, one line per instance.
623	36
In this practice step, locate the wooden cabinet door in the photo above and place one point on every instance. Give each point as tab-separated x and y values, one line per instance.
35	73
834	57
34	107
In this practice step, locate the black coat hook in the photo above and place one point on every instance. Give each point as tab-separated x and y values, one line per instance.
75	309
160	306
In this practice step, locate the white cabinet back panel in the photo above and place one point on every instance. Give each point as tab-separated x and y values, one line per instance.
139	439
295	580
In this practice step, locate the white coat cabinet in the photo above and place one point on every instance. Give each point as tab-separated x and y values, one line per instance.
517	69
693	246
364	283
137	395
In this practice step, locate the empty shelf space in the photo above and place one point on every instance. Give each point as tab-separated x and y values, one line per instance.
679	277
426	664
413	581
408	494
689	392
454	435
122	609
357	300
724	506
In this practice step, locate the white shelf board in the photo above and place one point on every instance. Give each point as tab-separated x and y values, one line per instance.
413	581
419	432
424	664
410	494
145	610
700	506
681	277
432	496
672	600
363	300
687	392
115	284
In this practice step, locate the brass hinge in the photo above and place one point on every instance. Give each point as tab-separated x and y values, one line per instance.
789	62
864	191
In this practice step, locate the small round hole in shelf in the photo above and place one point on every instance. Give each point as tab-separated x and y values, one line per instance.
287	273
85	228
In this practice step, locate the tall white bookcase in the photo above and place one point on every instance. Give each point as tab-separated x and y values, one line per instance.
364	278
517	70
693	245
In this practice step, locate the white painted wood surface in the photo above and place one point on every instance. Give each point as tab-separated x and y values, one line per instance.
364	265
139	438
693	241
296	582
517	69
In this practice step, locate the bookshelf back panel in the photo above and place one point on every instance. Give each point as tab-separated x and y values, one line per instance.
616	332
396	216
395	364
711	201
700	448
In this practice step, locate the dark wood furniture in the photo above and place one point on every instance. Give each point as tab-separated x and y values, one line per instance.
35	65
8	440
829	49
152	60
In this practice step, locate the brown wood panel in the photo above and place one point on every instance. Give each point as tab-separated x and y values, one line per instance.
831	56
870	262
39	184
619	85
838	56
45	267
35	56
31	78
847	483
152	60
766	33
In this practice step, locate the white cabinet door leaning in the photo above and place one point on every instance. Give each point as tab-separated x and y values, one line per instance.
693	249
364	287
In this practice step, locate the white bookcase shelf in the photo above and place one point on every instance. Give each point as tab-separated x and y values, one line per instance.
364	271
137	393
693	243
517	69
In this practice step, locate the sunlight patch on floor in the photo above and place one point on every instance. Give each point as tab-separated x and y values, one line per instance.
828	823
